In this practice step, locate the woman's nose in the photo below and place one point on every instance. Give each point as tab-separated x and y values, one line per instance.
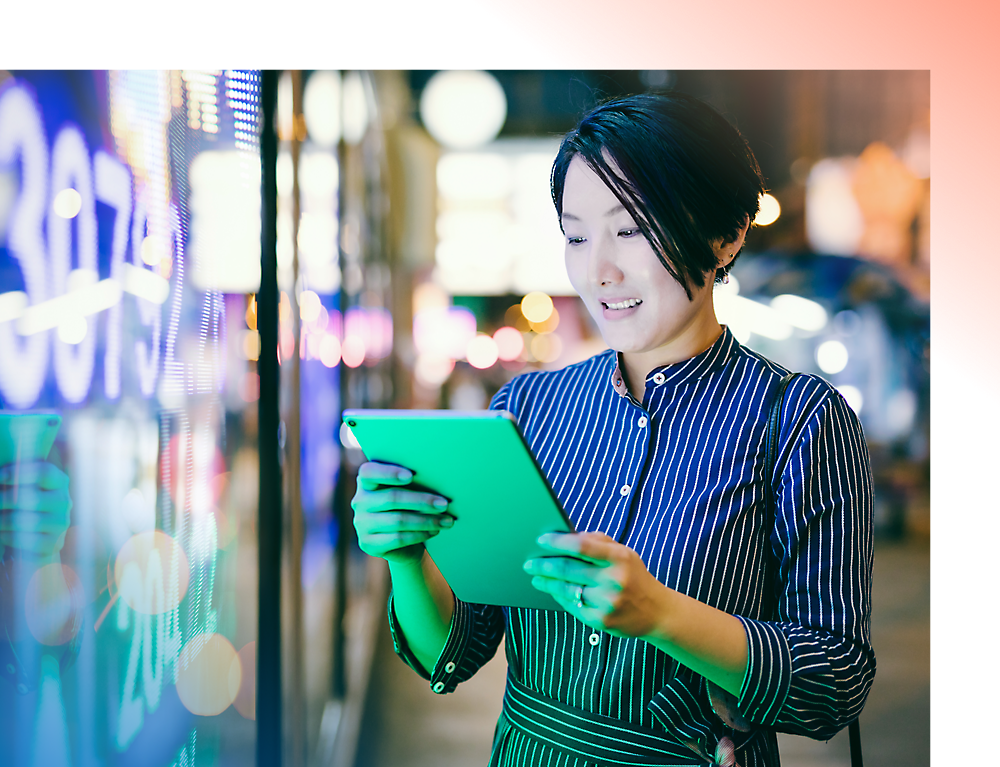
603	265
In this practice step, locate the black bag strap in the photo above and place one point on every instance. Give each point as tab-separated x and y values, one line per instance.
771	459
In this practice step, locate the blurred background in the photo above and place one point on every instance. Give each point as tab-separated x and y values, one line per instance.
411	258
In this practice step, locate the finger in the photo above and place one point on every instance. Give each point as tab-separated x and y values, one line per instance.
35	543
55	503
394	522
579	545
30	521
392	499
372	474
40	473
563	569
386	543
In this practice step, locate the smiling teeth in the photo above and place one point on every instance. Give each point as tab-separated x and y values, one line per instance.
625	304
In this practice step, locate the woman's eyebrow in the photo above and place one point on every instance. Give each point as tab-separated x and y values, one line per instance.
616	209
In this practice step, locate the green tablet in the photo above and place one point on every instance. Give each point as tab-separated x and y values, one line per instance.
499	497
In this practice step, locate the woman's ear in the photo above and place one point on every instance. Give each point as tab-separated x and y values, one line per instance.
726	250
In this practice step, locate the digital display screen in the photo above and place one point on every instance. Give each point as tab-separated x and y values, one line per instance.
129	253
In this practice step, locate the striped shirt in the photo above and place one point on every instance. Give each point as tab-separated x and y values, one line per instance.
679	478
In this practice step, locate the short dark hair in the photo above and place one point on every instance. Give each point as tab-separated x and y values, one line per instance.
685	175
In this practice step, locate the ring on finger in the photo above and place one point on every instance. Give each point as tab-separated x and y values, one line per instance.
579	596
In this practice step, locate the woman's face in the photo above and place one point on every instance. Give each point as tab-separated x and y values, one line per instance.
640	309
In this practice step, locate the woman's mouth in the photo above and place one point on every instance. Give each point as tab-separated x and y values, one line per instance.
628	303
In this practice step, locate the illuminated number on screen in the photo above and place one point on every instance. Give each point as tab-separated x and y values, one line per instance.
74	363
173	370
148	647
113	186
147	357
22	137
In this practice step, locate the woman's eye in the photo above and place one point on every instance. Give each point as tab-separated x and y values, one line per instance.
629	232
575	240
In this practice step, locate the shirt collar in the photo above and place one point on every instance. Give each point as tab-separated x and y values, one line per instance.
711	359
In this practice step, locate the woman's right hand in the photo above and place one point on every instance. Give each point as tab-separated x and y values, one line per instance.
392	521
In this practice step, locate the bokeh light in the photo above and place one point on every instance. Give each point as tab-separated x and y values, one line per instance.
208	675
353	351
546	348
433	370
251	344
249	386
831	356
309	306
153	250
482	352
329	350
769	211
147	559
509	343
463	110
536	306
138	513
516	319
67	203
321	108
548	325
54	604
853	396
801	312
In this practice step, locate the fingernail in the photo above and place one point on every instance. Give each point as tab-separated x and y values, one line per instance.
441	503
404	474
446	522
527	565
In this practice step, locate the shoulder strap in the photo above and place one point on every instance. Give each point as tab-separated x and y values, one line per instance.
770	460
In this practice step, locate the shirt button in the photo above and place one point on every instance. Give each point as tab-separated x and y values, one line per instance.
642	422
659	378
22	688
595	639
626	489
11	669
449	667
438	687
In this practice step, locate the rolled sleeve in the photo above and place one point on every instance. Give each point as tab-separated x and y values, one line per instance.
473	637
810	670
769	673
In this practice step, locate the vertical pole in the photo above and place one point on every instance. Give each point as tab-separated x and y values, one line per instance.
342	511
293	454
268	700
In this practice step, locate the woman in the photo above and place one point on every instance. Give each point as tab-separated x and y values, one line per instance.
694	626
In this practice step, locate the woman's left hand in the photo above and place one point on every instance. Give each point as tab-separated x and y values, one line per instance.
620	596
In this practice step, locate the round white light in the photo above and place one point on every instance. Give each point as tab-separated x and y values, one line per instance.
321	108
853	396
67	203
482	352
463	109
769	210
831	356
355	108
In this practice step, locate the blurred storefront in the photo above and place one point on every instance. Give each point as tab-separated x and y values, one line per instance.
207	604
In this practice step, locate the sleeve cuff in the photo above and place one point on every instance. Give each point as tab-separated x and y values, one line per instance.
769	673
443	678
